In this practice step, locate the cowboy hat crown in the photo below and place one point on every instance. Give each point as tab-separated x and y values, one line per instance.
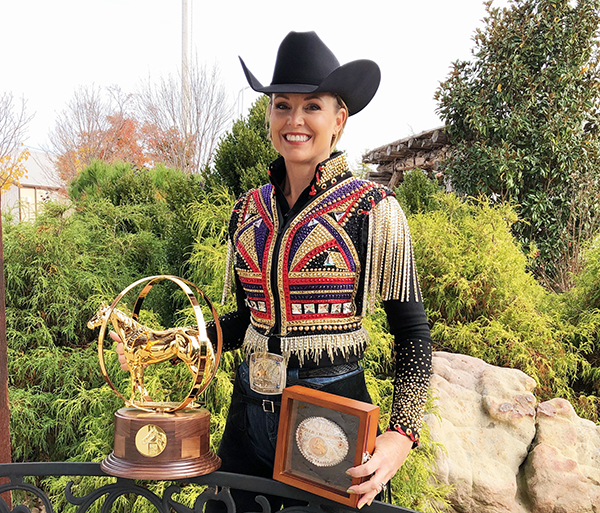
304	64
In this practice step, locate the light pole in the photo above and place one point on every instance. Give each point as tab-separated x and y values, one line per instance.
185	70
240	101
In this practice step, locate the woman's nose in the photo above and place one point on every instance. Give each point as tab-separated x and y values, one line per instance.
296	117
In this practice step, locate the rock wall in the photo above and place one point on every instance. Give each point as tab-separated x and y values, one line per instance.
505	453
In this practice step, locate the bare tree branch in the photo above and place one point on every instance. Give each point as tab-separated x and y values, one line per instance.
13	124
88	129
185	141
14	121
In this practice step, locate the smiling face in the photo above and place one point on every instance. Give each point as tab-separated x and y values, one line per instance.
303	126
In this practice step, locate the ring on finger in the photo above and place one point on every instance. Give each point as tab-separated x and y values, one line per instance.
382	486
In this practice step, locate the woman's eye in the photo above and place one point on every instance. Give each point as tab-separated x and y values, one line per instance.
281	106
313	106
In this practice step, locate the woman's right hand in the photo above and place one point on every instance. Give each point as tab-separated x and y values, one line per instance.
120	350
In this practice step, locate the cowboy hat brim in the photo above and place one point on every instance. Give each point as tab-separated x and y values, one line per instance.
355	82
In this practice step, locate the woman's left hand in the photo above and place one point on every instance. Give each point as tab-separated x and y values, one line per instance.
391	449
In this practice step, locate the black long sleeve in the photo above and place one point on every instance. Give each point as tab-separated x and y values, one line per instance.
412	354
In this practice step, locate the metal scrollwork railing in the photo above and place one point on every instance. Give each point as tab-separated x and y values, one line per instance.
218	488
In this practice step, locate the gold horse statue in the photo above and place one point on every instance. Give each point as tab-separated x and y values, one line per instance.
144	346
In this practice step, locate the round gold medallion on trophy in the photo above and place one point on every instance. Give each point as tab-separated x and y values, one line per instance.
155	439
150	440
321	441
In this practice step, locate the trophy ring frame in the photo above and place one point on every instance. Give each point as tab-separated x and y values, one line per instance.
200	381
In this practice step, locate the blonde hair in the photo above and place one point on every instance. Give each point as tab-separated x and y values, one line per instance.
334	139
341	105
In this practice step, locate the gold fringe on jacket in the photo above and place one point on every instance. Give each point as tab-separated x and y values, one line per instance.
228	271
390	269
310	346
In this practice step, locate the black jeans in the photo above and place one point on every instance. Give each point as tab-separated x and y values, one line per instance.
250	436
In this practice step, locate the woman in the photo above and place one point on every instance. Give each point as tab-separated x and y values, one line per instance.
309	251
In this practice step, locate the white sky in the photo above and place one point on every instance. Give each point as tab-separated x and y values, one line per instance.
50	47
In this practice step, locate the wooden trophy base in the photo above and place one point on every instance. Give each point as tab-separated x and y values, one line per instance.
161	446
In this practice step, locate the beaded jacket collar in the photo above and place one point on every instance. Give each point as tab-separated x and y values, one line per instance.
304	276
327	173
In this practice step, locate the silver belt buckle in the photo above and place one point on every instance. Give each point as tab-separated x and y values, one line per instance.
268	406
267	373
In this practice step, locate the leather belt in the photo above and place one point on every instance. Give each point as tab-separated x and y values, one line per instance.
268	406
327	372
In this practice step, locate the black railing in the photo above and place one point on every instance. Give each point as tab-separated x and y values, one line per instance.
218	485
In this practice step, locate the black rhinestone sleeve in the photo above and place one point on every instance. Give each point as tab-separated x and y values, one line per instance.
412	353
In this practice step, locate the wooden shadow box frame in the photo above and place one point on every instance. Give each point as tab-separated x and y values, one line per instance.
303	408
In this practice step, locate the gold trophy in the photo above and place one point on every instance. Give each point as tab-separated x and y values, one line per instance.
160	440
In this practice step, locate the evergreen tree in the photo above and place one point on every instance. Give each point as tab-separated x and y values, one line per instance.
244	154
523	119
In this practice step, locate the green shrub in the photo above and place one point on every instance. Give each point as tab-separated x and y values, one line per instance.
120	225
586	294
244	154
481	300
470	265
417	194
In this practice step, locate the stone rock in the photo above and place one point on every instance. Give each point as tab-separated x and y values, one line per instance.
503	453
562	472
486	423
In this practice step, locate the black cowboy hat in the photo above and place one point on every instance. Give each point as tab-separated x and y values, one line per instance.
305	65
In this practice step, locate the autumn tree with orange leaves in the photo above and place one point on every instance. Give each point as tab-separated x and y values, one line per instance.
143	129
96	124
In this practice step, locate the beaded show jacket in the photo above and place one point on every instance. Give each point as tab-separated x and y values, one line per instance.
309	279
